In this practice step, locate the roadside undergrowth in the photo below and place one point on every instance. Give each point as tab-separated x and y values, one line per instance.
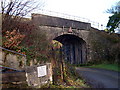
64	75
71	80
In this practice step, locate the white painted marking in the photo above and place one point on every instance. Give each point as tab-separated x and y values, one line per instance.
42	71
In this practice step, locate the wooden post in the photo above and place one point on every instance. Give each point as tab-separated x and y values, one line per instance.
62	65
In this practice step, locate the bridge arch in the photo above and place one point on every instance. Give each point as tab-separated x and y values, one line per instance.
74	48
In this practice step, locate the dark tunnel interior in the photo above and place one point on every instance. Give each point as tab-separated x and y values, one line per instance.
74	48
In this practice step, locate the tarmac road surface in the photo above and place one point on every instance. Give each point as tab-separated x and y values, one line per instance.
100	78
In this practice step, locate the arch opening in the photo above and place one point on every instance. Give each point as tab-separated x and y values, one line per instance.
74	48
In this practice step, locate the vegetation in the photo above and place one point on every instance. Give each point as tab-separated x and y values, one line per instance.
12	40
64	75
19	33
36	45
114	20
14	11
23	36
72	80
114	67
104	47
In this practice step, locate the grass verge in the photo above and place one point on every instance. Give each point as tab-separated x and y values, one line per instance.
113	67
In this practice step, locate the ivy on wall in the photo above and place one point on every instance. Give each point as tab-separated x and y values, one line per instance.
104	47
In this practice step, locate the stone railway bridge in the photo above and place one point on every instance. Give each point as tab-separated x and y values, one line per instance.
75	36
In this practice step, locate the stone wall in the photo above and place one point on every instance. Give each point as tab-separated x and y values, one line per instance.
100	45
53	32
32	75
103	47
12	60
13	77
29	76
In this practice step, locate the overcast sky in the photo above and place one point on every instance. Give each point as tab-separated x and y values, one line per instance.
94	10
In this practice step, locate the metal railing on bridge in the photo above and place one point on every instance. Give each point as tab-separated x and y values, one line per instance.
71	17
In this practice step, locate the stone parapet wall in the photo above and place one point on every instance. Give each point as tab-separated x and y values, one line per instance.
44	20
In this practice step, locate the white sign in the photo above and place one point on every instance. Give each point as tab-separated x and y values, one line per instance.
42	71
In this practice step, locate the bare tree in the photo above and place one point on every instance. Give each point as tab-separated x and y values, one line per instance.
15	10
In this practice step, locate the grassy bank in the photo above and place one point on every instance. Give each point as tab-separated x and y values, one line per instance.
113	67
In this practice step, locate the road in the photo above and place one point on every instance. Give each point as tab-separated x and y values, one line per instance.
99	78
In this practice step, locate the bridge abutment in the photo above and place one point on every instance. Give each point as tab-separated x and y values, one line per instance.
81	42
